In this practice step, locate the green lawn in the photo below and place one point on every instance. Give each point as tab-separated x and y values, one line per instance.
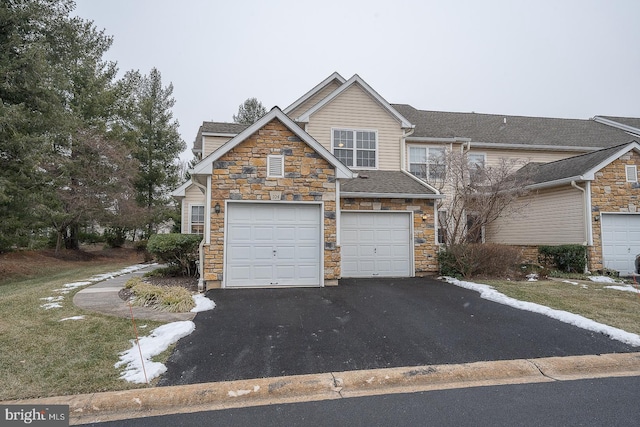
43	356
592	300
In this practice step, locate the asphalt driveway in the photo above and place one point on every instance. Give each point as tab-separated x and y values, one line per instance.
364	324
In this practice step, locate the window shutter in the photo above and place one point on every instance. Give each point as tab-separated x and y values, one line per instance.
632	173
275	166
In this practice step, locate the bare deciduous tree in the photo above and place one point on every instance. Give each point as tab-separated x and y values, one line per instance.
476	195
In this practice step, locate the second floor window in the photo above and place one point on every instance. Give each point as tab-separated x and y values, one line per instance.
197	219
355	148
427	162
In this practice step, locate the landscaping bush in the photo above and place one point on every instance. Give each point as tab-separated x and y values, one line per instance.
479	259
115	236
176	250
173	299
566	258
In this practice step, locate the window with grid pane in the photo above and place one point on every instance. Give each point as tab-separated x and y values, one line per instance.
197	219
355	148
427	162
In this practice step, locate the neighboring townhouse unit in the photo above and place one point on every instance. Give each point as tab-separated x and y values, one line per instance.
336	185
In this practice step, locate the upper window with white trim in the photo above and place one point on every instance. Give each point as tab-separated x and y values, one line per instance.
632	173
476	162
427	162
356	148
197	219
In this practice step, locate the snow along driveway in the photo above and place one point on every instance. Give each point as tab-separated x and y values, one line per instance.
367	324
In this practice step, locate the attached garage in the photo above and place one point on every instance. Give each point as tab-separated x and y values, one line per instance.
377	244
273	245
620	241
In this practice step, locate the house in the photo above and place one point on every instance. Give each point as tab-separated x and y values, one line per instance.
592	199
336	184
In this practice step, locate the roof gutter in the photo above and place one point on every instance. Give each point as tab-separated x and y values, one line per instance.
431	139
557	182
362	195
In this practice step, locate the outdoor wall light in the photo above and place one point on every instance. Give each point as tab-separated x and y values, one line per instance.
424	217
596	218
216	208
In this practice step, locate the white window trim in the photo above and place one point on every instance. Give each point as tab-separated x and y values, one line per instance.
484	155
631	170
355	149
190	216
427	147
270	157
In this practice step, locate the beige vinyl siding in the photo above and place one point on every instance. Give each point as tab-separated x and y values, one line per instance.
212	143
492	156
317	97
549	217
355	109
193	196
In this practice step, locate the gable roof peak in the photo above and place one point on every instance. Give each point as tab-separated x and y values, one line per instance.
335	76
205	167
356	79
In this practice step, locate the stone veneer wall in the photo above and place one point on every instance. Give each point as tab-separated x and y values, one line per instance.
424	244
610	192
241	174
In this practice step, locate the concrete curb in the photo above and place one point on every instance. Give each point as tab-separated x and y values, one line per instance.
118	405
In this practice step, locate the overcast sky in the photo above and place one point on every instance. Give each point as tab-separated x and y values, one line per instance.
558	58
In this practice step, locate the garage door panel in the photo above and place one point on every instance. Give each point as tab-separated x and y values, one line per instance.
376	244
308	233
273	245
620	241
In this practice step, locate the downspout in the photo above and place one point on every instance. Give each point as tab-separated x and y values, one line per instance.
403	148
587	221
586	227
338	210
207	226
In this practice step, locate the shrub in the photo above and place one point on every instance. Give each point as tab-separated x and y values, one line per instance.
176	250
90	237
173	299
115	236
567	258
141	247
479	259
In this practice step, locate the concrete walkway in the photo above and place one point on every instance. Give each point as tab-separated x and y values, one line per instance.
103	298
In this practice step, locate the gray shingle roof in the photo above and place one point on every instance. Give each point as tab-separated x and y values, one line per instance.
381	182
628	121
538	173
217	127
491	128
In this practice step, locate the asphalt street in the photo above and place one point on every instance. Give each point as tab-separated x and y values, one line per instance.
597	402
364	324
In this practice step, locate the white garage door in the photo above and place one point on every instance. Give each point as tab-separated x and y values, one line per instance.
376	244
620	241
273	245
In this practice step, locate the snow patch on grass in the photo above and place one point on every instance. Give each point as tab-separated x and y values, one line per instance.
489	293
602	279
159	340
72	318
627	288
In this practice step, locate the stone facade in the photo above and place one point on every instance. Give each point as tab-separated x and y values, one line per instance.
241	174
425	247
610	192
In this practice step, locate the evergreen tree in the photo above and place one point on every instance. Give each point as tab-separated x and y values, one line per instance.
57	96
149	125
249	112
